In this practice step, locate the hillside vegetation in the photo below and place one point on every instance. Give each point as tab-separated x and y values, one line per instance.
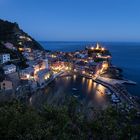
18	121
10	32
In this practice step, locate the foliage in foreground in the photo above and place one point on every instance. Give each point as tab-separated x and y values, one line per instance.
18	121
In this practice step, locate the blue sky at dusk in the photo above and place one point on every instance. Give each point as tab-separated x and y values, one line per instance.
75	20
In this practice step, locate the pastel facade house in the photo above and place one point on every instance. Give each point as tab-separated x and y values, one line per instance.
27	49
36	67
25	54
37	54
45	64
81	55
40	65
28	56
8	69
27	74
6	85
4	58
57	66
43	76
10	46
80	66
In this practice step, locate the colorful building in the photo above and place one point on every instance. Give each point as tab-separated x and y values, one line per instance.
8	69
4	58
6	85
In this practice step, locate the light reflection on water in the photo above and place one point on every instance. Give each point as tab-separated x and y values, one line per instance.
95	85
86	91
74	77
83	80
86	88
90	83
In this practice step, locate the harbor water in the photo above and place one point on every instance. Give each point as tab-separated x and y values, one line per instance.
88	93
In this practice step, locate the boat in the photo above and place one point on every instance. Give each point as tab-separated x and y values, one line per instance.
76	96
75	89
114	98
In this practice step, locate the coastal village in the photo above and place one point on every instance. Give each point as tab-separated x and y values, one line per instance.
26	67
69	70
94	62
80	85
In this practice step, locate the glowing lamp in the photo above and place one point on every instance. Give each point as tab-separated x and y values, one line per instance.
83	72
28	76
103	49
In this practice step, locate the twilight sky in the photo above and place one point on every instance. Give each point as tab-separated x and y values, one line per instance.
75	20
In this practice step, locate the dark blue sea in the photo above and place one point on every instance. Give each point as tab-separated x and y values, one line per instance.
125	56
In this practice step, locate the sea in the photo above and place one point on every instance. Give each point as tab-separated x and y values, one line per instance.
125	55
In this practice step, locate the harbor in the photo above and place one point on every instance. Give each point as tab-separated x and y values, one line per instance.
88	91
92	64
